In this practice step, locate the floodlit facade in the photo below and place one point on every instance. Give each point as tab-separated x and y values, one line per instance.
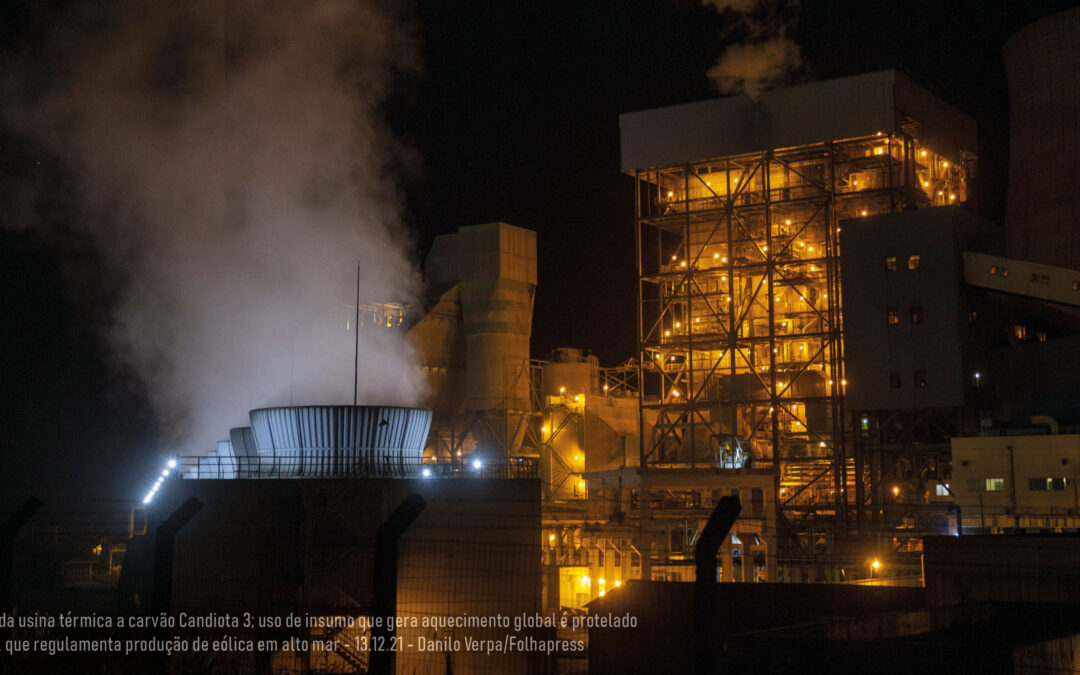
739	212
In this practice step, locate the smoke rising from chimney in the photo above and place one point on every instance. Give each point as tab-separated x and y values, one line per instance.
231	162
764	55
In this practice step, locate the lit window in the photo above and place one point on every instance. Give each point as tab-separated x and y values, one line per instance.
972	316
1020	332
986	484
941	490
894	380
1076	285
1048	484
890	264
894	316
865	423
1004	272
913	261
993	270
916	314
920	379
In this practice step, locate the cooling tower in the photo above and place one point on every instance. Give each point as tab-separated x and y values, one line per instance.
209	466
1042	62
340	441
245	451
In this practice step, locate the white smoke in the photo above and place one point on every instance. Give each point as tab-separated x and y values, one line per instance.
764	57
231	161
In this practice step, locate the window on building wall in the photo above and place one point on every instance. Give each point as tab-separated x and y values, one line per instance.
941	490
972	316
1020	332
635	559
920	378
890	264
616	559
894	380
916	314
1047	484
893	316
986	484
913	261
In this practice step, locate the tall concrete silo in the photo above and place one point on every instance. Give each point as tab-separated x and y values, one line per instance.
1042	219
485	276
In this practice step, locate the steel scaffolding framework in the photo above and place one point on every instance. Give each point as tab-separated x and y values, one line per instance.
740	329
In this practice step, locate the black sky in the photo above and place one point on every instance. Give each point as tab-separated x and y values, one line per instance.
514	115
516	118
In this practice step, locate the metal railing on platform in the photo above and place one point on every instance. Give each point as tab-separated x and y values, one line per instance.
316	465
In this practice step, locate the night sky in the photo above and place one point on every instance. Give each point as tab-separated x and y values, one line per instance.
513	116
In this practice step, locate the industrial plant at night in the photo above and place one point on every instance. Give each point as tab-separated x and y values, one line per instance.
847	438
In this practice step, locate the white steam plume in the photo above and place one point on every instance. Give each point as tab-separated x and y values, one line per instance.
231	161
764	58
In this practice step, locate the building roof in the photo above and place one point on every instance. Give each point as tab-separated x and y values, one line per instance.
848	107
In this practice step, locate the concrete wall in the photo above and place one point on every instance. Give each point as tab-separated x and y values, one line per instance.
1028	568
662	642
281	547
1061	655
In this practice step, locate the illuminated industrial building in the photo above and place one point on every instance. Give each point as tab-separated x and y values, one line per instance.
739	214
773	237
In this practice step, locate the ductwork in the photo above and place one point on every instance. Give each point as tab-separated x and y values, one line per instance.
1047	420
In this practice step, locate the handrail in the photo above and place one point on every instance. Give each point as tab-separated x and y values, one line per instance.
297	465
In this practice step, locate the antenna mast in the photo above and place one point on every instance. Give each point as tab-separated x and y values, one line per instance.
356	338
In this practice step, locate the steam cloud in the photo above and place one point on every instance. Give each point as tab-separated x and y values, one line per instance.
231	162
764	58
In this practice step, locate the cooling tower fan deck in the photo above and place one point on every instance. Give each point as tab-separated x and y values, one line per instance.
319	441
341	441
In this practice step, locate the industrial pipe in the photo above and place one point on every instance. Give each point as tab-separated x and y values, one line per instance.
723	517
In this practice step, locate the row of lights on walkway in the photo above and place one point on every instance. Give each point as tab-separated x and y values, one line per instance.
169	466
